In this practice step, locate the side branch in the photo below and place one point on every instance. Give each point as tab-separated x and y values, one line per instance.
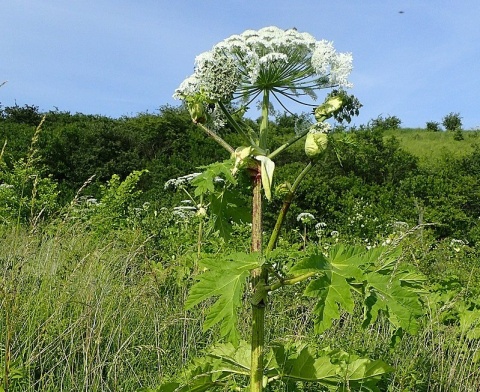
288	282
217	138
294	139
287	144
285	207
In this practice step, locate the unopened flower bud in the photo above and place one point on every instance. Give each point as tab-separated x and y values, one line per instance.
283	190
201	211
197	112
315	144
328	108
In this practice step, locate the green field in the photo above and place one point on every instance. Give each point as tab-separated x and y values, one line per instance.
432	147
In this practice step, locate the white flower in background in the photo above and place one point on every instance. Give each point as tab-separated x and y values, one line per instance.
92	201
320	228
281	62
457	244
175	183
184	212
305	218
400	226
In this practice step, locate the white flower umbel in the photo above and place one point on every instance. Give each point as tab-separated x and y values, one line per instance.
305	217
320	127
320	226
271	60
179	182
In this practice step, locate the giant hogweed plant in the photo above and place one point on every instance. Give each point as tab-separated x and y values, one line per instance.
269	66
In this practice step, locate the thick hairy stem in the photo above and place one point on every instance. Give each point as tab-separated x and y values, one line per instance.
258	276
257	211
264	123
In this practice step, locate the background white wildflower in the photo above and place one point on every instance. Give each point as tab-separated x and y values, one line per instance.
178	182
305	217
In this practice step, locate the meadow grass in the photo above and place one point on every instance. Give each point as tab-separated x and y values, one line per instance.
87	312
81	312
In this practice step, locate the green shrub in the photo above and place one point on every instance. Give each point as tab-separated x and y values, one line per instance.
452	121
389	122
458	135
433	126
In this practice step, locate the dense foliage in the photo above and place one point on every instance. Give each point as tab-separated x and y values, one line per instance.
370	176
94	270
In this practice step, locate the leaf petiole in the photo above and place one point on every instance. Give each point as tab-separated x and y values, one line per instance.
288	282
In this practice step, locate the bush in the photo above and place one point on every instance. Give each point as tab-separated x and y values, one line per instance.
26	114
433	126
389	122
458	135
452	121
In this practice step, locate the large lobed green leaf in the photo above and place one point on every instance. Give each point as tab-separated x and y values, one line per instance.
332	286
385	286
205	182
227	367
224	279
394	290
228	207
332	368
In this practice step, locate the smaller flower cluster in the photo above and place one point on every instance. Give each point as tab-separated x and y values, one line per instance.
320	127
184	212
175	183
305	218
457	244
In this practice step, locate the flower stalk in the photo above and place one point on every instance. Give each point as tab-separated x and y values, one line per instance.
286	206
259	276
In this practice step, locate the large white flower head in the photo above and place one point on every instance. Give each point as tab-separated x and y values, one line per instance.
281	62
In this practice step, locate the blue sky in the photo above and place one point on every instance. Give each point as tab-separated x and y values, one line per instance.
123	57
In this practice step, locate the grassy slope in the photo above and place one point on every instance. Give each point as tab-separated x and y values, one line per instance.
431	147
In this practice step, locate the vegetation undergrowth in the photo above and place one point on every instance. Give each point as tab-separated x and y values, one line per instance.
98	262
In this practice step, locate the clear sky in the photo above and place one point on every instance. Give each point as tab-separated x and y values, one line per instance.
414	59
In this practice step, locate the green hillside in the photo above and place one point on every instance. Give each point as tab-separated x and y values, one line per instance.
433	147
